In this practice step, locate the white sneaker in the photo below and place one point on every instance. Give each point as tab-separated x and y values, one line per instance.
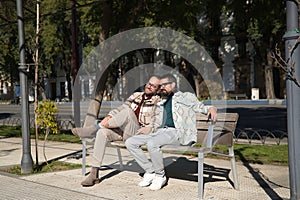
147	179
158	183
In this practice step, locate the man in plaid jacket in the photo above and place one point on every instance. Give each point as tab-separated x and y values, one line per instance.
138	115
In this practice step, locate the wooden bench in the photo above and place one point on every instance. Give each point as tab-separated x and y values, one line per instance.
209	135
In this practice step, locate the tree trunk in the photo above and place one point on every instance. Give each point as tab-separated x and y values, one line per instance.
197	85
269	77
41	87
95	104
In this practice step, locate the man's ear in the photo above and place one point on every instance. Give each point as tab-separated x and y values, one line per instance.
173	85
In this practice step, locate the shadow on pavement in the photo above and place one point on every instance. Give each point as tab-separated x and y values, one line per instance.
7	151
178	168
263	184
186	169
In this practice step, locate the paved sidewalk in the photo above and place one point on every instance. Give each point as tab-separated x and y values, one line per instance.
256	181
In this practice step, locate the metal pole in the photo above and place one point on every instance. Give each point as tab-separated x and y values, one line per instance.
36	79
26	162
293	97
75	67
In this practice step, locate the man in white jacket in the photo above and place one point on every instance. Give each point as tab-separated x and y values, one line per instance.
178	113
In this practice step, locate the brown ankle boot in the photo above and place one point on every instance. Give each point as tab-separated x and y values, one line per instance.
92	179
85	132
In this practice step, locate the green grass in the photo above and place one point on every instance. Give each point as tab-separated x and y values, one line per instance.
10	131
260	154
63	136
52	166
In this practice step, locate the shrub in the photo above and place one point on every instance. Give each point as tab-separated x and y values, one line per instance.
46	116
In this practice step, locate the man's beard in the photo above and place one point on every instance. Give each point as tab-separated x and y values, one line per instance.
150	94
163	94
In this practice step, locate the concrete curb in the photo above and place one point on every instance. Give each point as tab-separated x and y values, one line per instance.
246	102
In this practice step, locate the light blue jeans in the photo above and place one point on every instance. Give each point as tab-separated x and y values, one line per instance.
153	142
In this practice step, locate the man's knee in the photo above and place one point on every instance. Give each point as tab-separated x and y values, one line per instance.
102	133
152	146
128	143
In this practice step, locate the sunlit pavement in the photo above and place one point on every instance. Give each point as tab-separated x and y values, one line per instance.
256	181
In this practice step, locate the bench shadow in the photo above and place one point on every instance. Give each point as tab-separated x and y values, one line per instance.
178	168
109	175
185	169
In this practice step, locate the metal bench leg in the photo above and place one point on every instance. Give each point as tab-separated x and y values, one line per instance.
120	158
83	156
233	167
200	174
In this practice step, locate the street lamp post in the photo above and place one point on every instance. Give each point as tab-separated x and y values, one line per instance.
26	162
75	67
292	52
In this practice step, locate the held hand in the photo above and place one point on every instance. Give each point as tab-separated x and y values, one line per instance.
144	130
104	122
212	112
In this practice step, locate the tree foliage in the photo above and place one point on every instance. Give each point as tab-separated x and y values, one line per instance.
260	21
9	51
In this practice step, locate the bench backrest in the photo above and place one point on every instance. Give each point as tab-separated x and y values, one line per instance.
223	129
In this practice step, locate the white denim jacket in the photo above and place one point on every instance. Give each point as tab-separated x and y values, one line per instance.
185	105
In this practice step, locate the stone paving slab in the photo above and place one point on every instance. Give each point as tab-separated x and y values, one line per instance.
15	188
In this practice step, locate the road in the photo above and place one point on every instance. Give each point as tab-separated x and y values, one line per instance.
269	117
65	110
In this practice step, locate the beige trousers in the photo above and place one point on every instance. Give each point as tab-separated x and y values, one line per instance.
121	126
